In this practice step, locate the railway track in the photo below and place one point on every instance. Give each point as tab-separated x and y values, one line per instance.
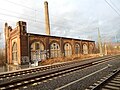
7	75
46	73
110	82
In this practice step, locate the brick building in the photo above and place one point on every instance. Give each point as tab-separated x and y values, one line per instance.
22	47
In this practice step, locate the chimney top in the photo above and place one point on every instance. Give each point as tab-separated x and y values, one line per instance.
47	23
46	3
6	24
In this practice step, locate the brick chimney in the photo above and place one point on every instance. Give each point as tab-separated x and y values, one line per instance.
47	23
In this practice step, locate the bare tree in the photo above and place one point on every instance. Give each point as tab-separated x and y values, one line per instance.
2	56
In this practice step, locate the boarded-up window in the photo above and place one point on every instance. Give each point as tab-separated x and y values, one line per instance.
77	48
85	49
90	49
14	52
37	49
68	49
54	50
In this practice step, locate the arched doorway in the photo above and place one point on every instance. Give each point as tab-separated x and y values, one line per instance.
90	49
36	51
85	49
68	49
54	50
77	48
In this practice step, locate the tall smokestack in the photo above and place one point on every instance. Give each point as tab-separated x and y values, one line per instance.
47	23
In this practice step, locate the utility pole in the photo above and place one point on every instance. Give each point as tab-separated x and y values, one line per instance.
99	42
105	46
0	35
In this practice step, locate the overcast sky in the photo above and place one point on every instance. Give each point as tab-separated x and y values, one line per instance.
68	18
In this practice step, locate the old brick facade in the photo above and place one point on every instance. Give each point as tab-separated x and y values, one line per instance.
22	47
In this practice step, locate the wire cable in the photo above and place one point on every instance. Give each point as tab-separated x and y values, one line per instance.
21	5
112	7
115	6
33	20
17	13
28	7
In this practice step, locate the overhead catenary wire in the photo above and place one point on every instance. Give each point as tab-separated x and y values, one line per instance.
54	15
112	7
35	10
115	6
18	4
36	21
18	13
39	10
36	24
33	20
21	5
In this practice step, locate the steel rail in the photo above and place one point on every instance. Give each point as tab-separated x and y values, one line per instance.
36	69
103	84
15	83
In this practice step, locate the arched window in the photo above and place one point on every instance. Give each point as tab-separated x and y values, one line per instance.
14	52
55	50
37	49
68	49
85	49
90	49
77	48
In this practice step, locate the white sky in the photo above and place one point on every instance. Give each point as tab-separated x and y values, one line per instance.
68	18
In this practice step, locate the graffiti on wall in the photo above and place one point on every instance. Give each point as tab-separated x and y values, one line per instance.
25	59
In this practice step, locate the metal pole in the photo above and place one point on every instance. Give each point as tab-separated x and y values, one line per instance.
105	49
100	43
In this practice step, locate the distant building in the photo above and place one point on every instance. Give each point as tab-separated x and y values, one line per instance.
23	47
